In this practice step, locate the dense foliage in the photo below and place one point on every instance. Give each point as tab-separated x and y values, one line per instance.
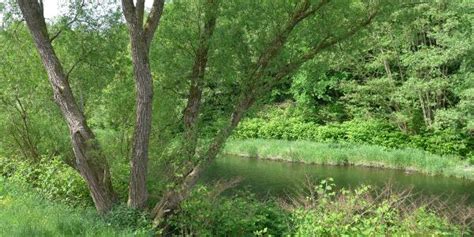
410	85
322	210
285	123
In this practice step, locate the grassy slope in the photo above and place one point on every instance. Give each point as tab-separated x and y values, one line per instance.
351	154
25	214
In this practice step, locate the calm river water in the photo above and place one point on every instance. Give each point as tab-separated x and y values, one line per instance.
271	178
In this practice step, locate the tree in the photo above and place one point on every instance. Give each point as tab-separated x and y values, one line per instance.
419	66
141	37
89	160
275	62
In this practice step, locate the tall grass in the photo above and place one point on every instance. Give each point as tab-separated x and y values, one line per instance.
364	211
23	213
351	154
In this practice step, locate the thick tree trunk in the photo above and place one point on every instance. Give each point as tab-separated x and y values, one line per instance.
140	40
144	88
90	162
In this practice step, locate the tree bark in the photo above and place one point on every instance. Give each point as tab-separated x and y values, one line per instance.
173	198
90	161
144	99
425	108
140	40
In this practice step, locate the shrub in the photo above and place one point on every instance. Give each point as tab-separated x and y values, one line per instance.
203	214
123	217
371	132
51	177
471	158
326	212
449	142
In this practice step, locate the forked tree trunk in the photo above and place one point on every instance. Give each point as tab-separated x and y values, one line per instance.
90	161
140	40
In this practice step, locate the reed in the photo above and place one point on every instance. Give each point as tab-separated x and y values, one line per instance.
351	154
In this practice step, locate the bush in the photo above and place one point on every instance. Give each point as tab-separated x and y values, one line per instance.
51	177
449	142
471	159
371	132
123	217
203	214
325	212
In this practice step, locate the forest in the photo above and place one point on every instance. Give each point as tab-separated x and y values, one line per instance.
237	118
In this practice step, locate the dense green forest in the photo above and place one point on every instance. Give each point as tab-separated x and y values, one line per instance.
122	105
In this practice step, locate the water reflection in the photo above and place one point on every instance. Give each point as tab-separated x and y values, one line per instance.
279	178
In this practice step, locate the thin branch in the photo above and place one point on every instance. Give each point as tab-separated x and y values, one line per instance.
323	44
81	59
74	19
303	11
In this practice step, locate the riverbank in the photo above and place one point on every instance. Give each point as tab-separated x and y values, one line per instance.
351	154
26	213
334	213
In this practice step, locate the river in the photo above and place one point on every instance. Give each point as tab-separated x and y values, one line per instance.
274	179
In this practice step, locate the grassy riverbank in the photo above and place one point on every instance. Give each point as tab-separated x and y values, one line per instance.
351	154
24	213
332	212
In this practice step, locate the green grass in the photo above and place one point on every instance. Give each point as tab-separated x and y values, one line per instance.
351	154
23	213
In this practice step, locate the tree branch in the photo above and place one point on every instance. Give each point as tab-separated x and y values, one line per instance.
191	112
323	44
303	11
75	18
81	58
129	11
139	12
153	20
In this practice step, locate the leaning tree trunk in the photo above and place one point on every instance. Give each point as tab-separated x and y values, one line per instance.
89	159
173	198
